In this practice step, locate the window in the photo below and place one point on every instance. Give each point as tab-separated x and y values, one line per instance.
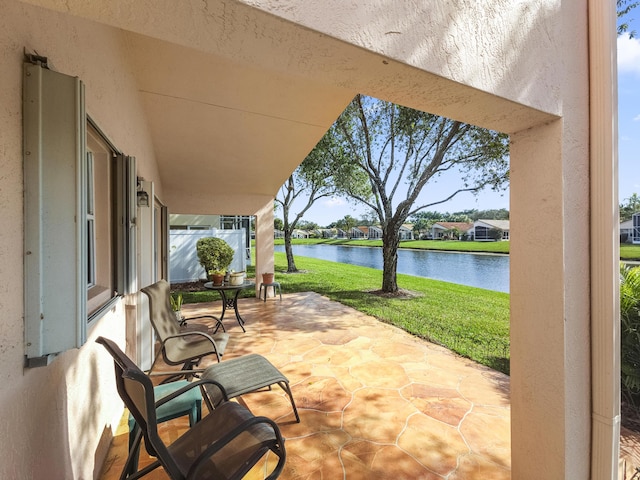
100	218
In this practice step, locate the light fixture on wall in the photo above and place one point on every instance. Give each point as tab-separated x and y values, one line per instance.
142	197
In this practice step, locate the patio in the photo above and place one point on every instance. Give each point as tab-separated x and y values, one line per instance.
374	401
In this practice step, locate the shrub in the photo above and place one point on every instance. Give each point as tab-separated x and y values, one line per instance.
495	234
214	254
630	333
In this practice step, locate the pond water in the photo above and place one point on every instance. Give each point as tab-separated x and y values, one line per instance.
476	270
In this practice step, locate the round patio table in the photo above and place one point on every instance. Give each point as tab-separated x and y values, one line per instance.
229	294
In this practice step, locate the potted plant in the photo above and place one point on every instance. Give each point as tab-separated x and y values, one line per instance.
176	306
215	255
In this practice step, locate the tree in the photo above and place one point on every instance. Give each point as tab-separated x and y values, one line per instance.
308	226
452	233
311	181
395	151
278	224
628	209
500	214
421	227
495	234
346	224
623	9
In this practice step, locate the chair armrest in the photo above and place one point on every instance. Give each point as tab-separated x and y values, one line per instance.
239	429
173	372
188	334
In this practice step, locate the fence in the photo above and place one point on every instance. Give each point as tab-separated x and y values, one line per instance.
183	257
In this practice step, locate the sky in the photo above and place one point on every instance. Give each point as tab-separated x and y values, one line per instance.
328	210
629	111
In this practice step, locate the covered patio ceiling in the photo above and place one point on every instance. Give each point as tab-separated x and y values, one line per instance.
236	95
224	128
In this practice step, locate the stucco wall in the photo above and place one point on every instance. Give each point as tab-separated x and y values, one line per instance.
55	421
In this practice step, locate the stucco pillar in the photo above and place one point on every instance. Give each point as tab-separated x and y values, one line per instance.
605	241
550	354
264	241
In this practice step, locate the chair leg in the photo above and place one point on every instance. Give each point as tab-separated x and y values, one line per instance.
155	359
196	413
287	389
131	465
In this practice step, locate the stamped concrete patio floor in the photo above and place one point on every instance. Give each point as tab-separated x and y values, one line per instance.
374	401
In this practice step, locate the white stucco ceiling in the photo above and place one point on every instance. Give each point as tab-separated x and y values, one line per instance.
220	125
236	94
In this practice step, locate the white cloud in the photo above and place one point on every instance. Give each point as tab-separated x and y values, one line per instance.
636	118
628	54
334	202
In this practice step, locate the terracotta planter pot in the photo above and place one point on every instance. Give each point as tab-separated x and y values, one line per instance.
216	278
267	278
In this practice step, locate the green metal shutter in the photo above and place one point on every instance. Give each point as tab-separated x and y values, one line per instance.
126	225
55	260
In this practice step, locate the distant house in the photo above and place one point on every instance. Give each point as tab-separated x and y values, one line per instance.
374	232
482	229
406	232
630	230
340	233
357	232
440	230
326	233
297	233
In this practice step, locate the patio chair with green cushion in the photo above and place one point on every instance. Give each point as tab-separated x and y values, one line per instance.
225	444
179	347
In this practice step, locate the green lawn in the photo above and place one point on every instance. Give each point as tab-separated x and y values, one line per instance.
629	252
470	321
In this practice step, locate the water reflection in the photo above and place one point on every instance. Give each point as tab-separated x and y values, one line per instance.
476	270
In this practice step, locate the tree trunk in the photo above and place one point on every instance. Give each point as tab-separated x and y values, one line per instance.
390	244
291	264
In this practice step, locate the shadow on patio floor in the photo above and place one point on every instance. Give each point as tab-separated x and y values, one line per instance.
374	401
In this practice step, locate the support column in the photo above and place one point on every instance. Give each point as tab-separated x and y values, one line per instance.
550	361
264	242
605	241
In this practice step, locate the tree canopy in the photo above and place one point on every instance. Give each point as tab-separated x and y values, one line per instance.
629	206
395	151
624	7
312	180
